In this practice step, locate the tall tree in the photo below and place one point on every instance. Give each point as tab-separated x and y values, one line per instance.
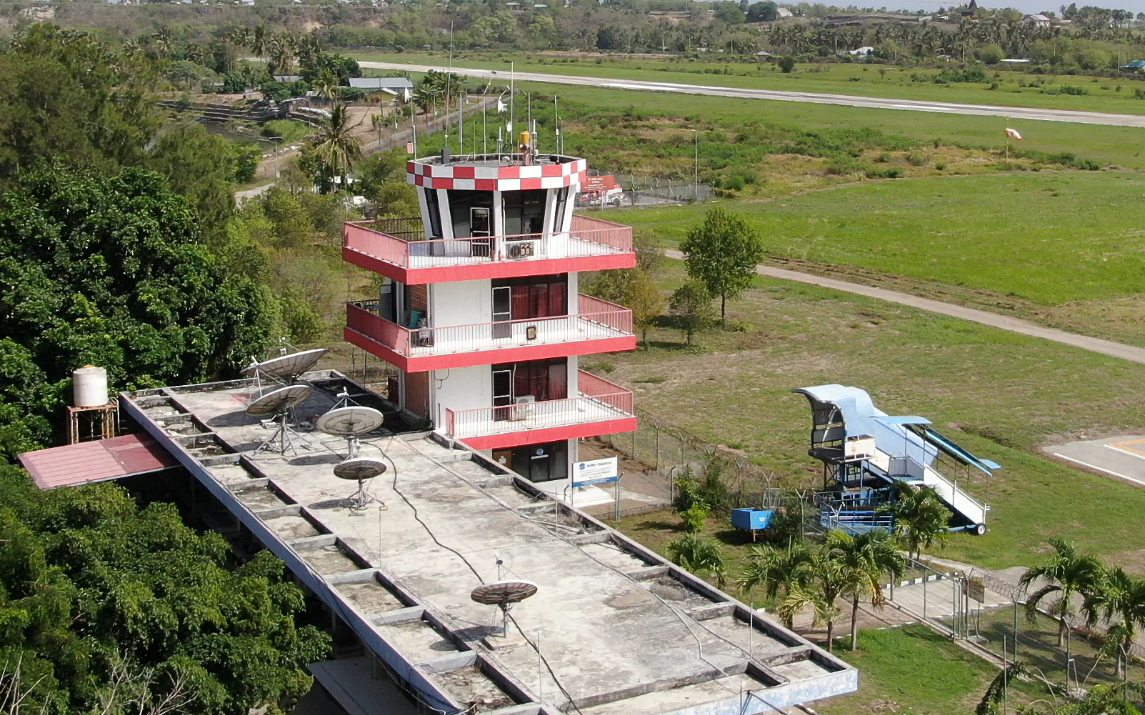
1118	599
95	590
863	562
691	305
920	517
722	253
1067	574
335	146
779	570
110	271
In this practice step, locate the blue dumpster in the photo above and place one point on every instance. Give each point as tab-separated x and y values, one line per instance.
751	519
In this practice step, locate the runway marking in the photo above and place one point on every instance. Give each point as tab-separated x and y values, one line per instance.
1124	447
1084	464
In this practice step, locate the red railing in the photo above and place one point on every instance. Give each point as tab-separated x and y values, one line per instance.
597	320
362	317
599	400
589	236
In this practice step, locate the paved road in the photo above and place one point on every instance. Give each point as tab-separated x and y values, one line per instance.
1004	322
1053	115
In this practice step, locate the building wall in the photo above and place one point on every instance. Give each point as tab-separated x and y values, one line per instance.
461	388
417	393
461	303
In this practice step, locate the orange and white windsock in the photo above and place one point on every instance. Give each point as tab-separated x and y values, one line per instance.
1013	133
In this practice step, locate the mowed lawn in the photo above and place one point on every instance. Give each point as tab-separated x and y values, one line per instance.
1065	248
998	393
1011	87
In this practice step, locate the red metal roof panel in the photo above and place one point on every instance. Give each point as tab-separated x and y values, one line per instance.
96	461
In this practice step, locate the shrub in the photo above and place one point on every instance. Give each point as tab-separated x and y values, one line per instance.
891	172
916	158
1076	91
695	517
786	64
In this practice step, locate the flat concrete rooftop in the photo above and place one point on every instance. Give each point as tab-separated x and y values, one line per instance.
620	629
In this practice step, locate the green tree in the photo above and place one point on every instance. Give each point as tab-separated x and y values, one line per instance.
722	253
863	561
699	555
110	271
335	147
199	165
920	517
691	306
729	12
762	12
786	64
1066	573
634	289
1118	599
95	590
68	95
779	570
826	583
991	701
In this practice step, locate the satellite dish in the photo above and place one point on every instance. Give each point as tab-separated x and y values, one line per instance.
503	594
350	421
278	401
286	367
360	469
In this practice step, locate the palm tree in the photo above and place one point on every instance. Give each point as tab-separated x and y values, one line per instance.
326	84
995	692
1067	573
825	585
773	569
920	517
1119	600
335	145
259	40
695	553
863	561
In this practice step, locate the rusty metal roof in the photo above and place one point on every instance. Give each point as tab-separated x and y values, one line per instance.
96	461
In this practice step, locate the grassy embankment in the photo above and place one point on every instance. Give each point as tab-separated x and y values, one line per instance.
1013	87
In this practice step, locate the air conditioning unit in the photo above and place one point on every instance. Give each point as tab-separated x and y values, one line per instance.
523	407
521	249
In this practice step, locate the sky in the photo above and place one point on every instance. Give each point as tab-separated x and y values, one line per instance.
1027	6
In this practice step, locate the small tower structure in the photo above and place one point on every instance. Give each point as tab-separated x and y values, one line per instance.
479	308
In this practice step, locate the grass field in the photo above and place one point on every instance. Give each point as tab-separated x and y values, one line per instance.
998	393
1064	248
915	670
1014	88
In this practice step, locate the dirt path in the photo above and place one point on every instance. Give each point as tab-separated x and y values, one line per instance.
1003	322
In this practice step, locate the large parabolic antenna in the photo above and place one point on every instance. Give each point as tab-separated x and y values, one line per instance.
278	404
360	469
350	422
504	594
285	368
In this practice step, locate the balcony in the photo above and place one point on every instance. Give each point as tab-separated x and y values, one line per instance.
598	327
599	408
396	248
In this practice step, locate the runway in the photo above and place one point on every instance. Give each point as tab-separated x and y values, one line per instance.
987	110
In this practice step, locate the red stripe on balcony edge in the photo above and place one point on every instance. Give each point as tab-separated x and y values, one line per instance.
551	434
493	269
517	353
376	349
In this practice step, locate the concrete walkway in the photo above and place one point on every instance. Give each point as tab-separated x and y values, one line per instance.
989	110
994	320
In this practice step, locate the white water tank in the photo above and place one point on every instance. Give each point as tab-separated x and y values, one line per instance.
89	385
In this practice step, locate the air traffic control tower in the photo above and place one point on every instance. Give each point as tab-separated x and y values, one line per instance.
480	309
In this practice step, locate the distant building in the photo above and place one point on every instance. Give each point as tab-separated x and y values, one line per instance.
396	86
861	52
1134	66
784	12
1037	20
970	10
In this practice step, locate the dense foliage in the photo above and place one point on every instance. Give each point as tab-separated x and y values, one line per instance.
108	270
100	598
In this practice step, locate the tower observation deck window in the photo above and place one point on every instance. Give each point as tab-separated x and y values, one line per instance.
524	212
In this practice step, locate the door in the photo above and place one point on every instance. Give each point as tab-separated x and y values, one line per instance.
502	395
480	224
502	312
504	457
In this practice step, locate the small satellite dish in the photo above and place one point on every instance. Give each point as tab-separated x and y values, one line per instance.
278	401
285	367
350	421
503	594
360	469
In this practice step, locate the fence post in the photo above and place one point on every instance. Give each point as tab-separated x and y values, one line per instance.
657	450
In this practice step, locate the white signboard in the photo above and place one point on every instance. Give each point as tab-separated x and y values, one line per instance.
596	471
